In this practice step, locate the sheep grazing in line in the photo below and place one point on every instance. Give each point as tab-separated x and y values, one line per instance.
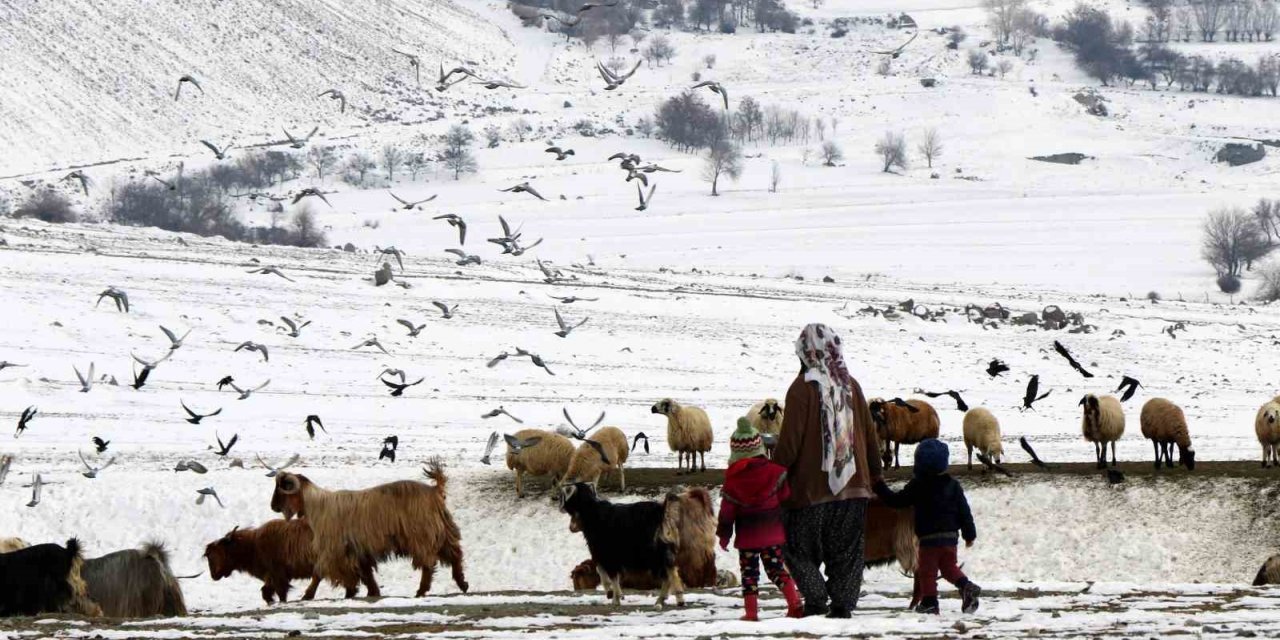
587	465
354	528
688	432
899	423
550	457
134	583
1164	424
766	417
1269	573
637	536
44	578
276	553
12	544
690	513
982	432
1103	422
1267	426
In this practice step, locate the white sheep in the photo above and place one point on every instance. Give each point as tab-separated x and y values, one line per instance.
982	432
1267	426
688	432
586	465
766	417
1164	424
1103	422
549	457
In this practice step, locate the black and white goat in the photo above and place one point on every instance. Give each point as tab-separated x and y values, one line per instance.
635	537
44	578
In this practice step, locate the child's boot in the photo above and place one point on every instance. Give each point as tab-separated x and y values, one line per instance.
795	609
969	597
752	602
928	605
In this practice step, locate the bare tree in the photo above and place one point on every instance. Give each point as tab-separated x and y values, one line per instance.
492	136
520	128
1004	66
930	145
1233	241
1000	15
322	159
885	66
892	149
723	158
416	161
1209	15
831	153
775	176
820	126
955	35
709	60
638	36
392	156
660	49
978	61
455	150
359	165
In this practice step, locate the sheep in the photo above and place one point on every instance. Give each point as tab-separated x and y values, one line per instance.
1103	422
688	432
1267	426
357	529
1164	424
44	578
586	465
134	583
897	424
766	417
638	536
550	457
12	544
982	432
275	553
1270	571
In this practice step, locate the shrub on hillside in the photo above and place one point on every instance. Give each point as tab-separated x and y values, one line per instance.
49	206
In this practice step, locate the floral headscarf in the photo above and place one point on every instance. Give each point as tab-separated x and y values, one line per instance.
820	352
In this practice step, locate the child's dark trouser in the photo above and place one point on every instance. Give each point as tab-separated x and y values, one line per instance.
932	560
749	562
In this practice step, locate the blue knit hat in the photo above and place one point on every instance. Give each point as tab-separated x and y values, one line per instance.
932	457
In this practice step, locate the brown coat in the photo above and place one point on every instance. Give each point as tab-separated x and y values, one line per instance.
800	447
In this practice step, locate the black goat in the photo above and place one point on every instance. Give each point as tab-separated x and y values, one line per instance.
44	578
633	537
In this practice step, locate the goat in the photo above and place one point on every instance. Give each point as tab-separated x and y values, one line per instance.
276	553
134	583
44	578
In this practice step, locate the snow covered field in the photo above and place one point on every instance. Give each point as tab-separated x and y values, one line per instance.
697	298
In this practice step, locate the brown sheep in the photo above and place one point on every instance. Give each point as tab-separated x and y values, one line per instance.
899	423
276	553
356	529
1103	422
1267	427
1164	424
549	457
587	465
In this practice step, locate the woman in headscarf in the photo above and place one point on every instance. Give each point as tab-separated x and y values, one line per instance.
827	433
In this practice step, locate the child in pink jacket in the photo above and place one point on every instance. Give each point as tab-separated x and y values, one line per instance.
751	506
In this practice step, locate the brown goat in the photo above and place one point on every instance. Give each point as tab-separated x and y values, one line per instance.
901	422
276	553
354	530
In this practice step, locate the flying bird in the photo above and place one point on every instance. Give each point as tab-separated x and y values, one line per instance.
445	310
443	81
86	383
151	364
498	84
599	449
565	328
270	271
500	411
409	206
295	328
645	200
1062	351
636	440
955	395
413	62
1130	386
715	87
118	296
996	367
298	143
273	470
92	471
561	154
464	258
394	373
536	360
5	364
572	299
195	418
224	448
334	94
245	393
80	177
219	154
6	462
576	432
489	447
309	192
24	421
493	362
517	445
100	445
253	346
312	422
414	330
37	482
208	492
371	342
613	80
397	389
389	446
140	377
524	187
1030	397
894	53
183	80
653	168
1026	446
457	222
174	341
190	465
393	252
992	465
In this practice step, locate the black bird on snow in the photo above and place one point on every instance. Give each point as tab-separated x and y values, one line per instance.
1132	387
1062	351
389	446
225	448
561	154
636	440
996	367
313	421
140	378
955	395
224	382
185	79
196	417
100	444
1030	398
1035	459
397	389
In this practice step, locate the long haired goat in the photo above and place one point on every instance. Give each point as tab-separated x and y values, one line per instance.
134	583
44	578
358	529
276	553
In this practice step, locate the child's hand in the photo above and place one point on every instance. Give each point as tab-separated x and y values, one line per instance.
968	543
